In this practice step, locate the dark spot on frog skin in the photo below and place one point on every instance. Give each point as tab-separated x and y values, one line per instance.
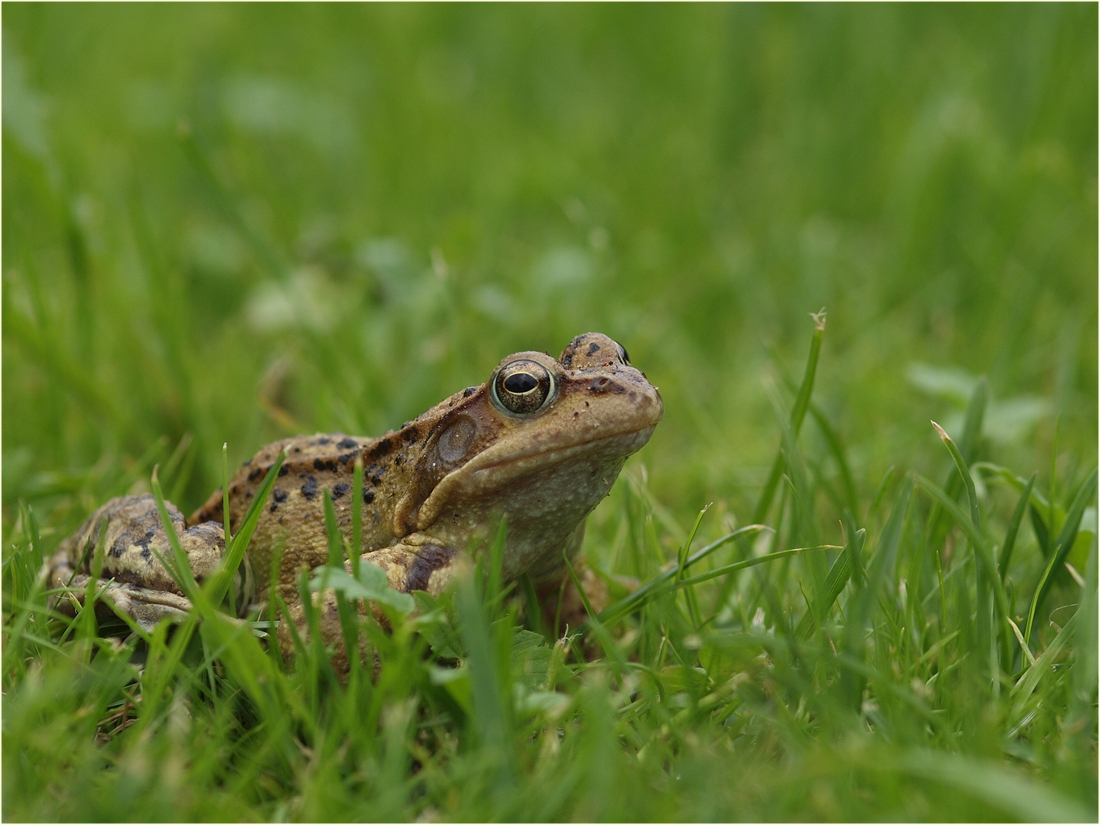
283	470
368	496
347	444
411	434
278	497
339	490
145	554
309	489
346	457
246	462
321	464
119	546
427	560
593	348
256	473
323	441
466	393
381	448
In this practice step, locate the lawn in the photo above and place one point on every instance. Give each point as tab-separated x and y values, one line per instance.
816	228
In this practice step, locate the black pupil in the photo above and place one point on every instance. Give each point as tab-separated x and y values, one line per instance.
520	382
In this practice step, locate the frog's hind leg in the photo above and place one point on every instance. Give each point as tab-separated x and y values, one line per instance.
123	539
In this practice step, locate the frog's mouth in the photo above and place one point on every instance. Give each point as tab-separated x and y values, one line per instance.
501	466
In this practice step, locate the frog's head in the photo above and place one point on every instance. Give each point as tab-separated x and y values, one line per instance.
541	442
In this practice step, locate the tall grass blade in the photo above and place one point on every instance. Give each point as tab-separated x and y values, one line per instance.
1014	527
798	413
236	548
1061	547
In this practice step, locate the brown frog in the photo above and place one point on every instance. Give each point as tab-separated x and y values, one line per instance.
539	444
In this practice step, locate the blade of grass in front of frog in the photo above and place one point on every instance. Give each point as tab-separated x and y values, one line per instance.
313	647
179	568
640	596
225	494
85	623
336	561
184	578
354	557
492	714
1061	547
1014	527
235	548
226	526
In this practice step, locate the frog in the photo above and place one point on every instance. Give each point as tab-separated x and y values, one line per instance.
535	448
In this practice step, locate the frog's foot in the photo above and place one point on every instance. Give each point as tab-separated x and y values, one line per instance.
145	606
125	542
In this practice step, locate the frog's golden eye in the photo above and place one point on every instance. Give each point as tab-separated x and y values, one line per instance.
523	387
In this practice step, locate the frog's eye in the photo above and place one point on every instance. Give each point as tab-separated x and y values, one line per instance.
523	387
622	354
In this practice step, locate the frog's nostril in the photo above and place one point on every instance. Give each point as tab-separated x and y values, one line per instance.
600	384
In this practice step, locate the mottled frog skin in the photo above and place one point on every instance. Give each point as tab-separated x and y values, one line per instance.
540	444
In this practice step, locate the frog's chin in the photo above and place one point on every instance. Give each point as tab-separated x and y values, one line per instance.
491	472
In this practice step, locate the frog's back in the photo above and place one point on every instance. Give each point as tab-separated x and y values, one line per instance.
293	516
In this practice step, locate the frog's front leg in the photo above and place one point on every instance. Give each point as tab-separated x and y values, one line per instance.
415	563
124	538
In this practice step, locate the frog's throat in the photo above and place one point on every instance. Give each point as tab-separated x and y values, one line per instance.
491	471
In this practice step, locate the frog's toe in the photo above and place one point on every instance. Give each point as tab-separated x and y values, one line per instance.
144	606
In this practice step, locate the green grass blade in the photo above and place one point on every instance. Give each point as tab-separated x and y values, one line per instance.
235	549
1061	547
798	413
1014	527
640	596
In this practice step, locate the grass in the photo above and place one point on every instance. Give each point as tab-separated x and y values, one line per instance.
227	224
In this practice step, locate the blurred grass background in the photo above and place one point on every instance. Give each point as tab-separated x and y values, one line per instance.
231	223
376	203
